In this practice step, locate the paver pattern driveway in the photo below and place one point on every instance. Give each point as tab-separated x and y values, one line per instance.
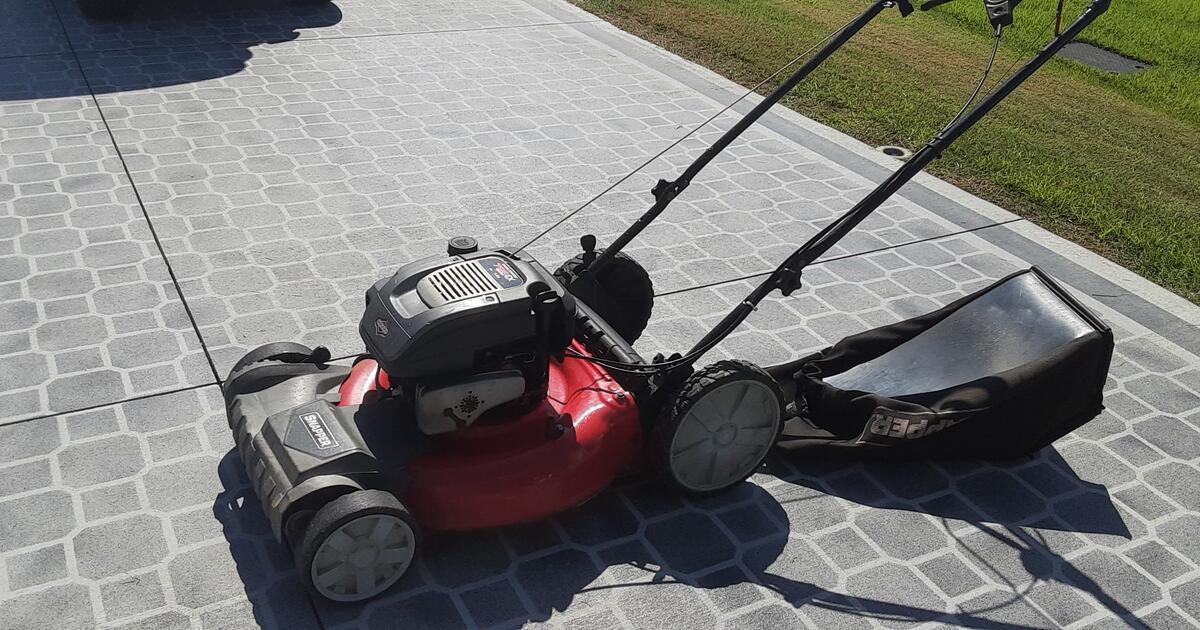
207	177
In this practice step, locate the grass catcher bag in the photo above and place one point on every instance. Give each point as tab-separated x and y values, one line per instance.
999	373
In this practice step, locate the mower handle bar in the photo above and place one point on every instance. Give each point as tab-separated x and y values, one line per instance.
786	277
666	191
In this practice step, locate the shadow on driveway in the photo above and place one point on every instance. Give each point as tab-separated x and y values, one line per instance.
645	550
167	42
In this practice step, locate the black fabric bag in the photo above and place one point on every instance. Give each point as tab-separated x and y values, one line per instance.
1000	373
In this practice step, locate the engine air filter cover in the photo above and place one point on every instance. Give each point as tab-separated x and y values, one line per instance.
462	315
468	279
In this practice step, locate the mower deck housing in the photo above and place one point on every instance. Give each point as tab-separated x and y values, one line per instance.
308	433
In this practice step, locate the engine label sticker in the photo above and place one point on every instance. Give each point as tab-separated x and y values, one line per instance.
318	430
502	272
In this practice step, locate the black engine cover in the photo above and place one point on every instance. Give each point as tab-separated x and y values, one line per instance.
462	314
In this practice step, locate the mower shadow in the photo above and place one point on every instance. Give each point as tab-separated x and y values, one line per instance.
1023	514
167	42
265	568
646	550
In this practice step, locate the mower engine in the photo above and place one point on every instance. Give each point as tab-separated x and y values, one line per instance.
460	336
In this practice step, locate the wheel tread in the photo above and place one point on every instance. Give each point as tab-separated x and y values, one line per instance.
706	377
336	513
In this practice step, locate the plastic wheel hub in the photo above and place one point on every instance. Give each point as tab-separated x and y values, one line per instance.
724	435
363	557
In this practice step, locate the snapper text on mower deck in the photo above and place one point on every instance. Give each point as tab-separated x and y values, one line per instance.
494	392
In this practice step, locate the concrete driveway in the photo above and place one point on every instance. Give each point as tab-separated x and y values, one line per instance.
210	176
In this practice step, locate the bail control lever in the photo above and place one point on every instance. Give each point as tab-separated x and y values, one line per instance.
999	12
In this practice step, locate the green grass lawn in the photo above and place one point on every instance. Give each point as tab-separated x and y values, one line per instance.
1110	161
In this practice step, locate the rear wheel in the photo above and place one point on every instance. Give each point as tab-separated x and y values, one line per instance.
621	293
719	427
107	9
357	546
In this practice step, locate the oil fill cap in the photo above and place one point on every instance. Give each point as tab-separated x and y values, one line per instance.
460	245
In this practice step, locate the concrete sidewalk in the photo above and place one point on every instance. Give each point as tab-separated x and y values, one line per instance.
179	188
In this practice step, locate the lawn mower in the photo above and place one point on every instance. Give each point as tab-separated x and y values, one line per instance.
495	392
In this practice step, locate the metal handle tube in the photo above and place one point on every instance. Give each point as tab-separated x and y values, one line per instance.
787	274
829	236
666	192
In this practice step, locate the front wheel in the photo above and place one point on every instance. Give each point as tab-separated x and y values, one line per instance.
718	427
357	546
